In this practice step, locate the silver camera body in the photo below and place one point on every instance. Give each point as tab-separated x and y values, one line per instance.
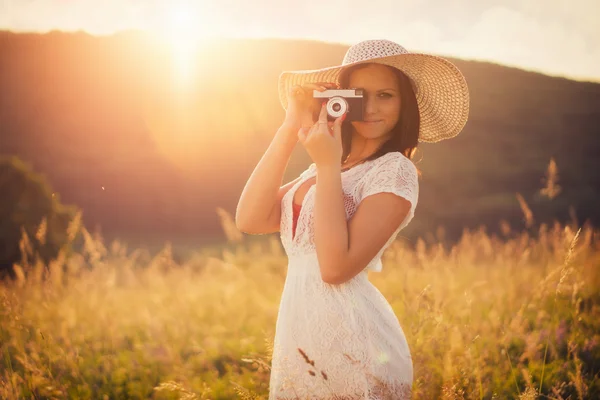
341	100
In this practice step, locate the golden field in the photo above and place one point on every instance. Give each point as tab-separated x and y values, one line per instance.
514	316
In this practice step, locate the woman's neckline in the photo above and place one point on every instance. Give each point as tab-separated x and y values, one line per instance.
342	171
353	166
348	169
314	166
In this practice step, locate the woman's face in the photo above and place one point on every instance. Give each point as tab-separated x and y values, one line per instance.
381	100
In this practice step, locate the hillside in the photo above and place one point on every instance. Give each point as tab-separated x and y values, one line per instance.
106	121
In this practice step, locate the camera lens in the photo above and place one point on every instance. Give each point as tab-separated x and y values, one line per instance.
337	106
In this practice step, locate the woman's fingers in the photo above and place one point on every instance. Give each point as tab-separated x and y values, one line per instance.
323	124
301	99
323	114
302	133
296	90
327	84
305	89
315	86
321	86
331	125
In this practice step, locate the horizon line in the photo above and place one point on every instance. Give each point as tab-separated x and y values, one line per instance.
295	39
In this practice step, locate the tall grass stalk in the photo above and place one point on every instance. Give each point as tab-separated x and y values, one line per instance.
484	318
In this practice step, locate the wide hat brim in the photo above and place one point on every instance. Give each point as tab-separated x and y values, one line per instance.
440	89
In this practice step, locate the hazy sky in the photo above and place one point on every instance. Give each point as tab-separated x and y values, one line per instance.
557	37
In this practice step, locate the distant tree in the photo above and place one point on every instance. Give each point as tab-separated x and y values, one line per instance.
29	208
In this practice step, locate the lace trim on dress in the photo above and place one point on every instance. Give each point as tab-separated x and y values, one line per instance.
353	346
402	391
393	173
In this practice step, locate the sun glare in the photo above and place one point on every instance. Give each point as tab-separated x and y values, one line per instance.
186	27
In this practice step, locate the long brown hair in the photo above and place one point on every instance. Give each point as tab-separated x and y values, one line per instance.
405	134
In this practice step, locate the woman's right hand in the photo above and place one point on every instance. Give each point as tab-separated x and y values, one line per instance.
303	109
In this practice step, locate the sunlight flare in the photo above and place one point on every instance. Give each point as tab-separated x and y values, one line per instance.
186	27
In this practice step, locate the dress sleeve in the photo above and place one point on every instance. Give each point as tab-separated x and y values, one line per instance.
395	174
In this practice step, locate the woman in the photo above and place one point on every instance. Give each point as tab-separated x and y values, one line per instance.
336	335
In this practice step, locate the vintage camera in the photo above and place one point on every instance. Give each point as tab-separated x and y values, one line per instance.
340	100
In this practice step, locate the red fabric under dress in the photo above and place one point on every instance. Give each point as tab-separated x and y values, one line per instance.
296	212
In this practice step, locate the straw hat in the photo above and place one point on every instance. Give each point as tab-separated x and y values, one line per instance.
440	88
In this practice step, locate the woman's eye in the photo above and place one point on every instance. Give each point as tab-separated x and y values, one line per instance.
385	95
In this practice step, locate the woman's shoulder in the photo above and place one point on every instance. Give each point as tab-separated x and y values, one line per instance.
393	172
395	159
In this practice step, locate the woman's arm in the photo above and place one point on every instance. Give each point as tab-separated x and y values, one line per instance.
345	248
259	208
331	228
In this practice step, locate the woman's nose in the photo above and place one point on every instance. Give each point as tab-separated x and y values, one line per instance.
370	105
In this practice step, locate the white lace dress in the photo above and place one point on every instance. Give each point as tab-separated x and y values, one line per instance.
340	341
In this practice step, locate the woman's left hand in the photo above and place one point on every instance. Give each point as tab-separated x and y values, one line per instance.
323	141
